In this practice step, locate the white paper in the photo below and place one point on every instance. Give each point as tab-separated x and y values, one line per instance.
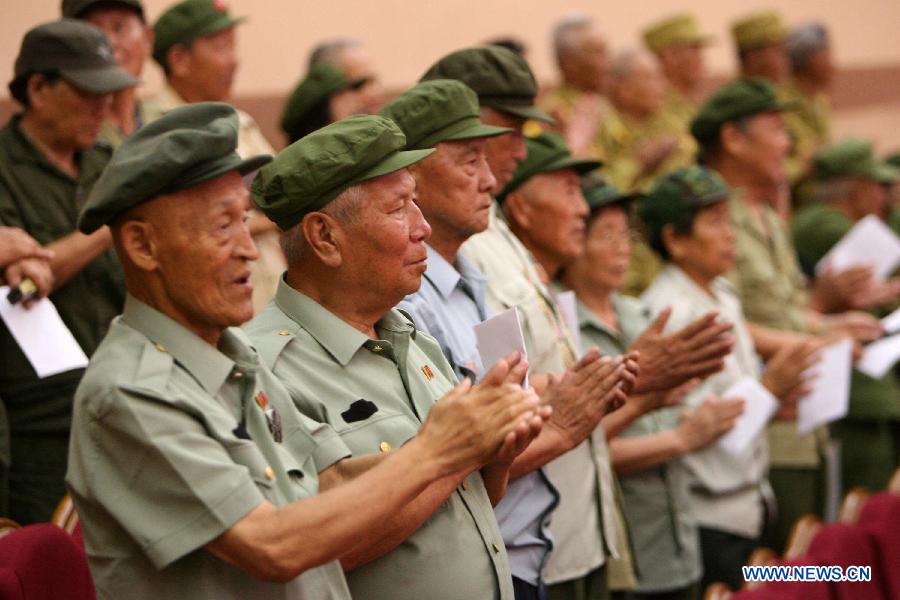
878	357
567	305
759	406
500	336
43	337
891	323
869	243
830	396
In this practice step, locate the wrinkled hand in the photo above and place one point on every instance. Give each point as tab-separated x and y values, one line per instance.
708	422
468	426
862	327
876	294
787	373
833	291
15	245
587	392
653	153
36	269
695	351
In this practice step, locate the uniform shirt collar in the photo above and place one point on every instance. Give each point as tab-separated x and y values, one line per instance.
210	366
446	277
337	337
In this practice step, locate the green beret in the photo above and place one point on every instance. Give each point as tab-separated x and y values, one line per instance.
680	193
678	30
315	169
599	192
853	157
187	21
758	30
547	152
439	110
75	49
736	100
501	78
74	9
321	82
183	148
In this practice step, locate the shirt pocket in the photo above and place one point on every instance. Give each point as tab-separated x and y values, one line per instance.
248	454
382	432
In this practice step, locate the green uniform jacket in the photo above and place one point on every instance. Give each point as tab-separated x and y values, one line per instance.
173	442
376	394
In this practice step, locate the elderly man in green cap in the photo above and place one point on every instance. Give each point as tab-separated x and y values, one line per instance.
354	238
324	96
351	57
850	184
759	39
195	43
194	474
679	45
131	38
64	79
452	187
742	136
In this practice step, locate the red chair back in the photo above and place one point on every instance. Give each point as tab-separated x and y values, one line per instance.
848	545
880	519
42	562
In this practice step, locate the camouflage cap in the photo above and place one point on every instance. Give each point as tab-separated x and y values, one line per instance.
547	152
853	157
758	30
315	169
185	147
598	191
677	30
501	78
440	110
736	100
78	51
187	21
74	9
682	192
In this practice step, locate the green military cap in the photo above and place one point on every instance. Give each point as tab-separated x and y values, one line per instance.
183	148
736	100
677	30
758	30
439	110
547	152
501	78
680	193
599	192
78	51
188	20
853	157
321	82
315	169
893	159
74	9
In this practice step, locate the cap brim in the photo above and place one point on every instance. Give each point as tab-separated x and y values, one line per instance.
101	80
595	203
526	112
478	131
394	162
220	24
885	173
581	165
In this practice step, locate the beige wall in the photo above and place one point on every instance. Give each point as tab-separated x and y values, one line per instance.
405	36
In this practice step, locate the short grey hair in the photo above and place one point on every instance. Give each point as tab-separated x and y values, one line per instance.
327	51
804	41
623	64
564	30
345	208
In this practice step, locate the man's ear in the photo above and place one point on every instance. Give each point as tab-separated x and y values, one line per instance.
137	240
518	210
672	241
732	138
325	237
178	59
37	88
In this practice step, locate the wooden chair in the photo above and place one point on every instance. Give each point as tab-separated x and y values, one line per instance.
894	485
7	526
761	557
852	504
65	515
718	591
802	534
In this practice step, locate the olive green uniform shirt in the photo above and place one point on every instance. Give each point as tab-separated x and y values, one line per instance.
38	197
655	501
376	394
809	125
770	287
562	103
679	109
173	442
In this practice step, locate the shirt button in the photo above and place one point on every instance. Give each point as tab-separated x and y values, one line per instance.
496	548
284	332
384	447
465	486
160	347
237	374
270	473
376	348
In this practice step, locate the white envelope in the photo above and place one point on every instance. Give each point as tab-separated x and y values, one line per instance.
500	336
869	243
43	337
830	396
879	356
759	406
891	323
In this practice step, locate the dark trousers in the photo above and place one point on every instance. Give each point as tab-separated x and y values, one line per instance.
525	591
36	476
799	492
691	592
723	555
593	586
